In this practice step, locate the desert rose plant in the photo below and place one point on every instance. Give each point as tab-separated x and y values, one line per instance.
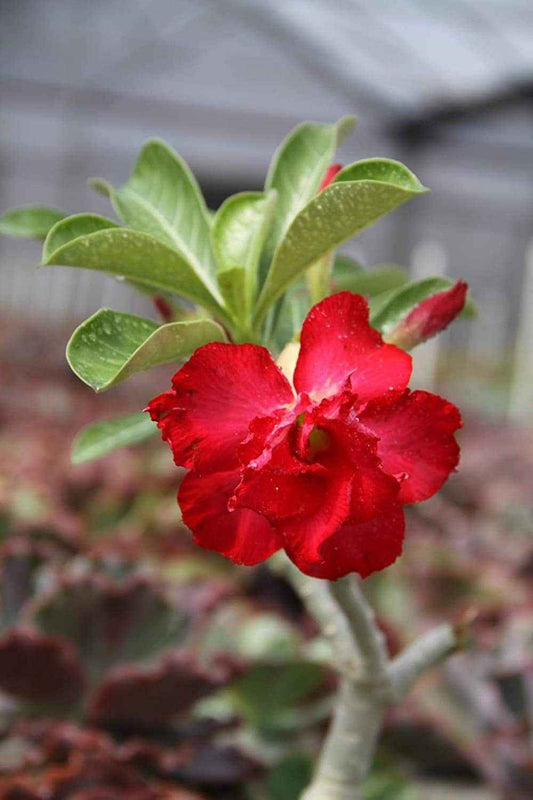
292	415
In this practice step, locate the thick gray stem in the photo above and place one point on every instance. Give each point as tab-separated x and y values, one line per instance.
367	639
369	682
364	693
349	748
425	652
320	604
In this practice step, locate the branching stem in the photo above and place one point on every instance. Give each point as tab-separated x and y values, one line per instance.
368	640
427	651
369	681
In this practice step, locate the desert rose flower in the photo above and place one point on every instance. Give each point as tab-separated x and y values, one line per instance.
321	469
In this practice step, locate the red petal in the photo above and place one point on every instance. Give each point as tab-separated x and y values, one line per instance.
307	502
337	341
242	535
383	371
265	433
278	485
305	535
430	317
416	441
352	501
280	496
214	397
373	491
363	548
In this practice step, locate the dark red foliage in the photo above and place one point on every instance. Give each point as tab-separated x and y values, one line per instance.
39	668
135	695
64	760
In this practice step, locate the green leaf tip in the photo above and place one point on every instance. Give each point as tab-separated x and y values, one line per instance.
70	229
345	126
100	438
111	346
162	198
101	186
382	170
30	222
297	170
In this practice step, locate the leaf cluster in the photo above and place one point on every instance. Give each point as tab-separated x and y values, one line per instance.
247	273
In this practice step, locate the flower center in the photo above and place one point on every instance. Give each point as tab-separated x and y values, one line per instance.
319	440
311	440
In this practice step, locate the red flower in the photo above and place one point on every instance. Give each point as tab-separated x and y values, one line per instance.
322	473
430	317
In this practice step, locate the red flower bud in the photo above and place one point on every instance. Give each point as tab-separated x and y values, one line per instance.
331	172
164	307
430	317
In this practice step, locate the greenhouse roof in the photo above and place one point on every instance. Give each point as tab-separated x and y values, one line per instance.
394	56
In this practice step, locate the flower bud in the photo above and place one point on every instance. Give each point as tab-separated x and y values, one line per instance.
429	317
331	172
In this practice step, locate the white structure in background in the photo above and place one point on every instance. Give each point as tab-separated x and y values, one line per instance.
521	397
488	335
427	260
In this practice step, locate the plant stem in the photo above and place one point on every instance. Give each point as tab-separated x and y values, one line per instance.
369	681
425	652
348	751
367	638
318	601
364	693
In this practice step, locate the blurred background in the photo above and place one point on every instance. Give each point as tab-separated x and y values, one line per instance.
447	88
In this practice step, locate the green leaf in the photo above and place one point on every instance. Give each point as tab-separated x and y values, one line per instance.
110	622
297	169
349	276
379	301
344	264
382	786
100	186
386	315
100	438
31	222
238	234
296	304
350	204
110	346
130	254
319	278
81	225
71	228
267	690
232	284
163	199
382	170
288	779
